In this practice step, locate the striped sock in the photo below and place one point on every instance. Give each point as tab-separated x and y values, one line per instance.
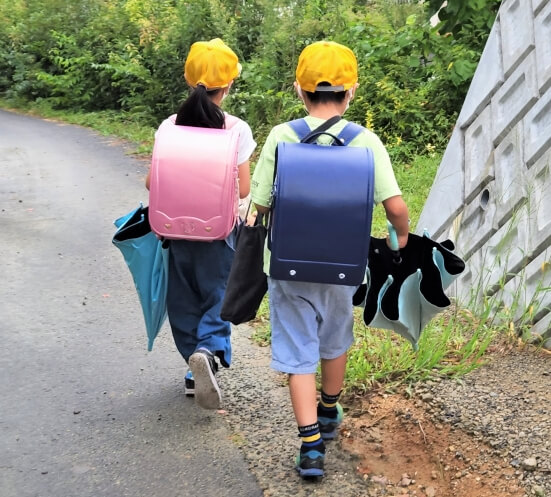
327	406
311	438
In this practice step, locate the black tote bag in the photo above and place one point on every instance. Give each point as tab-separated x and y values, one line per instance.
247	282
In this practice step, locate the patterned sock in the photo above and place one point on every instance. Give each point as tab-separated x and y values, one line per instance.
311	438
327	406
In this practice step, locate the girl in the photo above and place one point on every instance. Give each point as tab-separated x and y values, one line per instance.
198	271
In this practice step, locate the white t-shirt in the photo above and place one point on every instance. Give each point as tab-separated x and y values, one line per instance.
246	141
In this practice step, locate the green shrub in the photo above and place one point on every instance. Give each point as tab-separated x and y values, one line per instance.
127	55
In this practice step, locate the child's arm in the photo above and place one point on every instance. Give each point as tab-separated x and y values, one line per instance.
244	179
148	178
262	208
397	213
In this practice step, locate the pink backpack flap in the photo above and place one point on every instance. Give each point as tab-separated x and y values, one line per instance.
194	191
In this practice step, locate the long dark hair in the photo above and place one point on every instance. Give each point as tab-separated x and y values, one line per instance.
200	111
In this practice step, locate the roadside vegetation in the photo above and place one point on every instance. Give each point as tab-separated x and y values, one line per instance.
116	66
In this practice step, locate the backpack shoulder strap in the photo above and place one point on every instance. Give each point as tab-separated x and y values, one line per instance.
349	132
300	127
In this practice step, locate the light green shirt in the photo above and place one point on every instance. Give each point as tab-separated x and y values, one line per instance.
262	180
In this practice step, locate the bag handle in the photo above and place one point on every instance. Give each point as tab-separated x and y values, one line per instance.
348	133
259	219
312	137
322	127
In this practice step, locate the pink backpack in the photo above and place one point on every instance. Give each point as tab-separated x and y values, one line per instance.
194	191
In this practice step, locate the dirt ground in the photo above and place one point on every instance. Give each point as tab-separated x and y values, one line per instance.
405	449
402	450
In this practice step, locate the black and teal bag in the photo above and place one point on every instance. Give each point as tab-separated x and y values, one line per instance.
322	207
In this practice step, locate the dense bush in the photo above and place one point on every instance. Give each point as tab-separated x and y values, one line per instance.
127	55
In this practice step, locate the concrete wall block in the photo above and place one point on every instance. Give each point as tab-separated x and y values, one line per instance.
537	183
487	78
500	156
510	175
537	5
517	32
542	32
479	206
469	285
446	195
446	234
540	208
508	302
538	285
477	225
508	250
479	158
543	326
528	295
513	100
539	167
537	125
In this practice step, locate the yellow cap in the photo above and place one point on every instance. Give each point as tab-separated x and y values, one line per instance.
212	64
329	62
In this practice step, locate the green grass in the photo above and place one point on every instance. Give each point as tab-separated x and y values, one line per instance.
452	344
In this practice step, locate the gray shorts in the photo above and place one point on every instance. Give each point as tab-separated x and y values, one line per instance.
309	321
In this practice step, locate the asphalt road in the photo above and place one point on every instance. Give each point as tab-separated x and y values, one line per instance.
85	410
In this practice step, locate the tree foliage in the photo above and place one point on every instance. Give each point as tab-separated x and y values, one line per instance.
470	20
127	55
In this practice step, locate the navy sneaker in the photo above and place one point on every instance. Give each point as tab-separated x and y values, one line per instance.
329	426
203	367
189	384
310	464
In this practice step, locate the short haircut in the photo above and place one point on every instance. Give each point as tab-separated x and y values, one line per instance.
323	97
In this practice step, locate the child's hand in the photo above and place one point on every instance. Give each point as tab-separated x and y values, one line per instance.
251	218
394	240
402	241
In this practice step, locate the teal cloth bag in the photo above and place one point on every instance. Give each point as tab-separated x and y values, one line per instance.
147	261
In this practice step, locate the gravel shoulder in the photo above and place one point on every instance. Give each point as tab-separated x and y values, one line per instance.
488	434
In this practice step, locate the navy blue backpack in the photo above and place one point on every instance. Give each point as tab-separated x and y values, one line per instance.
322	207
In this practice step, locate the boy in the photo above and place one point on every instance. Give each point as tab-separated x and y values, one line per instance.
313	321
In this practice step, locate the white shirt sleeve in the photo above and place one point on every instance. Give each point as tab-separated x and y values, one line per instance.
246	141
171	120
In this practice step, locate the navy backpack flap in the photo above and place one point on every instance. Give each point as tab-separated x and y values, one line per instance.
321	212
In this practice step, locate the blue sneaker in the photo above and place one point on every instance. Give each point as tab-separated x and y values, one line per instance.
329	426
189	384
310	464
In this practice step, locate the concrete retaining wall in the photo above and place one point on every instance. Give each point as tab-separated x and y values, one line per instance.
492	191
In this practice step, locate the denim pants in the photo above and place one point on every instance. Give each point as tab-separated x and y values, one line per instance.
197	277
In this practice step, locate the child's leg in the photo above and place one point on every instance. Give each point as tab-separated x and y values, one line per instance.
183	300
336	337
302	388
329	411
295	350
197	278
332	374
309	461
